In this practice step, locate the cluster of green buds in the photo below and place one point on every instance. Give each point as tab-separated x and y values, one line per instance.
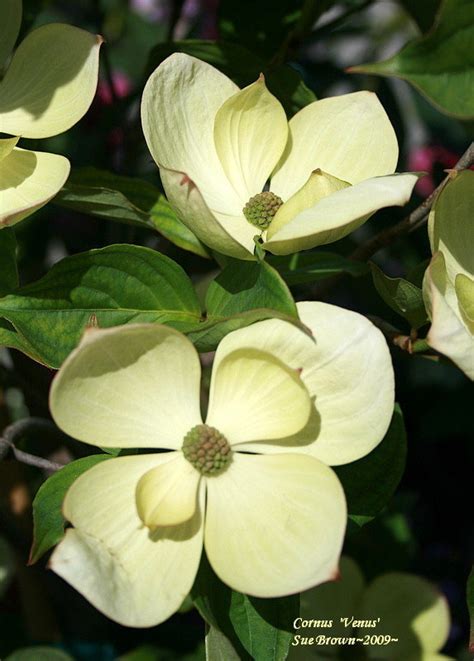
207	449
261	209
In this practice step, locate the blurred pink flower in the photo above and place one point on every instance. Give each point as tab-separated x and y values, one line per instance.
122	85
152	10
200	16
426	159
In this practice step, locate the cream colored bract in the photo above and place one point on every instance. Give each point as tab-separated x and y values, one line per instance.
216	146
448	286
47	87
272	521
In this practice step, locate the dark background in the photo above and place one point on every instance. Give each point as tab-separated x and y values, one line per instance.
424	529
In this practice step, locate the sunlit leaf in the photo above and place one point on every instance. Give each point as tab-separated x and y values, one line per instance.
441	64
9	337
115	285
207	334
167	223
128	200
243	286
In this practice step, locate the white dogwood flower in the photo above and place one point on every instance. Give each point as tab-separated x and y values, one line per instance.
330	167
251	484
448	286
48	86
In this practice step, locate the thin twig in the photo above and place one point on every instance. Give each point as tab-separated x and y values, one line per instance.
30	459
395	337
17	430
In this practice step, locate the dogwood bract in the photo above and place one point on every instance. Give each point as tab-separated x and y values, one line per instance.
448	286
251	484
47	88
330	167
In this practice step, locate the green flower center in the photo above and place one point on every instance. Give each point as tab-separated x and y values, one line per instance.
261	209
207	450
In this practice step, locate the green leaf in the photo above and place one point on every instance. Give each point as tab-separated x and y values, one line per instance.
243	293
107	195
10	21
168	224
39	653
213	598
8	269
423	12
48	521
264	626
128	200
207	335
417	273
405	298
470	607
243	67
258	629
382	469
10	338
119	284
310	266
244	286
112	451
441	64
219	647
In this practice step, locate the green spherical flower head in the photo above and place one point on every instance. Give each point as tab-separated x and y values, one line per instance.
261	209
207	450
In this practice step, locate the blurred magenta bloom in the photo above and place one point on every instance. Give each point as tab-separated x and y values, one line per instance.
122	85
152	10
426	159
